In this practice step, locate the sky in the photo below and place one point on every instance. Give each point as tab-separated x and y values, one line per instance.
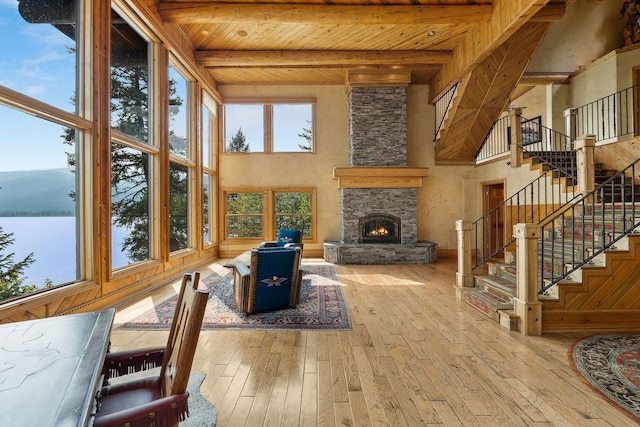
34	61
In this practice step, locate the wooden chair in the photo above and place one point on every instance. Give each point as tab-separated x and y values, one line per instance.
157	400
271	281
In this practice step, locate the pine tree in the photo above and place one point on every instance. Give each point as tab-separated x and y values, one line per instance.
306	134
238	143
11	277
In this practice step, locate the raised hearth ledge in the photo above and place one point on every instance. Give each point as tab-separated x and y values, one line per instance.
380	253
380	177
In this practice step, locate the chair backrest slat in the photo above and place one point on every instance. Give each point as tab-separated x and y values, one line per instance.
183	336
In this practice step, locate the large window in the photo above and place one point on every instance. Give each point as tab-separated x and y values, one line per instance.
131	159
262	214
270	128
41	161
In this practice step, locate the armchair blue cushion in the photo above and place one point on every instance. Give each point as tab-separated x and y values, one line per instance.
285	237
271	282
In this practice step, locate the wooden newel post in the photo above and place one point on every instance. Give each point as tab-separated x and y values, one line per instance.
515	124
526	305
585	163
464	278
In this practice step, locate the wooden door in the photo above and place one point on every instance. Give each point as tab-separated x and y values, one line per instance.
494	223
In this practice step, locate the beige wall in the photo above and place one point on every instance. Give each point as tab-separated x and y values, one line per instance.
439	200
589	30
297	169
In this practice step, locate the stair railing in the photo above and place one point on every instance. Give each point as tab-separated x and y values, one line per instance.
537	200
608	117
497	141
550	147
534	203
592	224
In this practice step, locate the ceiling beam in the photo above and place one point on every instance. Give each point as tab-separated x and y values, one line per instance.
314	14
320	58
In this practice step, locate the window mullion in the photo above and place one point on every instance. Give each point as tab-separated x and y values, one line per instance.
268	128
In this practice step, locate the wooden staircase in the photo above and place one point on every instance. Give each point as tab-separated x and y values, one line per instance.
601	295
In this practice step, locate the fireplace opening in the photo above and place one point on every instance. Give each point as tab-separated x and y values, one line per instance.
379	228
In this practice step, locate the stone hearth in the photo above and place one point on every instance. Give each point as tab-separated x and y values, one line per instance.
378	182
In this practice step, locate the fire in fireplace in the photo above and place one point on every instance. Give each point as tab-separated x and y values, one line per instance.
379	228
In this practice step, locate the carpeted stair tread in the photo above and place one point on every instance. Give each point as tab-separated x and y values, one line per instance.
485	302
508	271
502	285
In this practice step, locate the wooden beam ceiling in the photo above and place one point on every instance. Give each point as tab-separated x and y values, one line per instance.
250	58
313	14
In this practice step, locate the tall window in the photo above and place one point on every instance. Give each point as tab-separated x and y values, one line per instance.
271	128
180	169
131	159
261	215
40	160
209	120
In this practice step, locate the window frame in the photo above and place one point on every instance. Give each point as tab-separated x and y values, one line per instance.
267	117
268	213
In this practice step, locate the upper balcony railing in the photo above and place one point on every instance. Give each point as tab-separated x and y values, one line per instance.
609	117
442	106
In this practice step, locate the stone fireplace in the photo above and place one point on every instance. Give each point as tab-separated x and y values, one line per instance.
378	191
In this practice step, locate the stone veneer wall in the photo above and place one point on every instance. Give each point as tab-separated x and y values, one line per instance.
378	126
358	202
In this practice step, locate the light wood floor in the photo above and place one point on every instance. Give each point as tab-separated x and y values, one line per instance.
415	356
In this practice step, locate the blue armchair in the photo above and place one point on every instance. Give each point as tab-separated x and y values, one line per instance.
286	238
271	280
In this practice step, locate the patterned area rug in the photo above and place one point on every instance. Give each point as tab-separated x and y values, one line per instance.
321	305
611	364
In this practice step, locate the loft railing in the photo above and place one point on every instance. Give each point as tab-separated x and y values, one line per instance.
497	141
592	224
609	117
442	106
534	203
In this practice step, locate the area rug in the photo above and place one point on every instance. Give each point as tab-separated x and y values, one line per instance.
202	413
321	305
611	364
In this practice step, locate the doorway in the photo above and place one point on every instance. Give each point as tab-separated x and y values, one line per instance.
493	196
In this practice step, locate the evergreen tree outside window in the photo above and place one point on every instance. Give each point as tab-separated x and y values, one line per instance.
292	130
293	211
179	207
244	128
130	167
178	115
243	217
246	211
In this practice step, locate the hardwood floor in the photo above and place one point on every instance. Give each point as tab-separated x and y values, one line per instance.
415	356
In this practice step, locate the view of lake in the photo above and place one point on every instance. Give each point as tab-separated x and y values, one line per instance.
52	241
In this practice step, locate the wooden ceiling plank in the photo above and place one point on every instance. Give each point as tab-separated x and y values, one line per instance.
313	14
253	58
